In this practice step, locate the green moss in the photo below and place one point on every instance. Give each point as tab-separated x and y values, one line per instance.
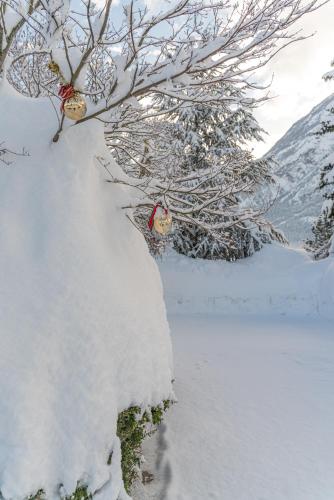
40	495
133	426
81	493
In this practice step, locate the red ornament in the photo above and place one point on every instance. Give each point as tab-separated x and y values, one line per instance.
151	221
65	92
160	220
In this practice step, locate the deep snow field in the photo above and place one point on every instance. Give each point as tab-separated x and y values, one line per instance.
254	376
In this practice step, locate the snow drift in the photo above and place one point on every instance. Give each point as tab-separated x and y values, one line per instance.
278	279
82	320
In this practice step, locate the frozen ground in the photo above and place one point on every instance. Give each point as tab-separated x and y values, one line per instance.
255	414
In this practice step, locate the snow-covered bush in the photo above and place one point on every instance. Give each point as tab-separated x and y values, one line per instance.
84	333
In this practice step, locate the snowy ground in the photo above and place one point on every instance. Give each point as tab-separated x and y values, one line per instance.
255	414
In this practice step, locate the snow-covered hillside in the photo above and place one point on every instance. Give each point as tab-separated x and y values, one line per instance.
300	155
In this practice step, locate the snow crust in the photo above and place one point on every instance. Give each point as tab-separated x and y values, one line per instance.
254	373
254	418
278	279
83	328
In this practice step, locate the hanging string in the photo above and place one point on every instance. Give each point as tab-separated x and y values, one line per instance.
151	220
65	93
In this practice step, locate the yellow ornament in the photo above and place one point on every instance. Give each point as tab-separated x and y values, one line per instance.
53	67
163	221
75	107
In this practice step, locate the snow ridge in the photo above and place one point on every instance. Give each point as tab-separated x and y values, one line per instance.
277	280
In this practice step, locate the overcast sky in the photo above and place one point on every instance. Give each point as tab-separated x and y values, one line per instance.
297	76
298	72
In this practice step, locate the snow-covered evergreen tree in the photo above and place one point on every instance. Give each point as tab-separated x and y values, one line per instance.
205	137
323	228
196	156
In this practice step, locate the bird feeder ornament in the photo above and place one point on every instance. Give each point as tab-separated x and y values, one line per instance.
160	220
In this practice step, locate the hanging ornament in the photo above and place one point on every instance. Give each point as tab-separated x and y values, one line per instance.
54	67
160	220
73	104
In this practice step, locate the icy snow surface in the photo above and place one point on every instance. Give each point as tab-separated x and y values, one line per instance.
83	329
254	368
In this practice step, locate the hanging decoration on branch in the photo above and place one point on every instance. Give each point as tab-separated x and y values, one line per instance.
73	104
54	68
160	220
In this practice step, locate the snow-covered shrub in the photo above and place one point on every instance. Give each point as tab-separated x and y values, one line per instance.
83	324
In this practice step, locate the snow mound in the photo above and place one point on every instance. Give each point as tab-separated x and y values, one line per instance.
278	279
83	325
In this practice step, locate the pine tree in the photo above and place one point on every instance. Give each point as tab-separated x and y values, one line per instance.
204	137
323	228
195	161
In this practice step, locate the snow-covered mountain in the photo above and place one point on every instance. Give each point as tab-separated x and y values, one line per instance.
300	155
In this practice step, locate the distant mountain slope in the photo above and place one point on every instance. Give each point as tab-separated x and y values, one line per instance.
300	155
